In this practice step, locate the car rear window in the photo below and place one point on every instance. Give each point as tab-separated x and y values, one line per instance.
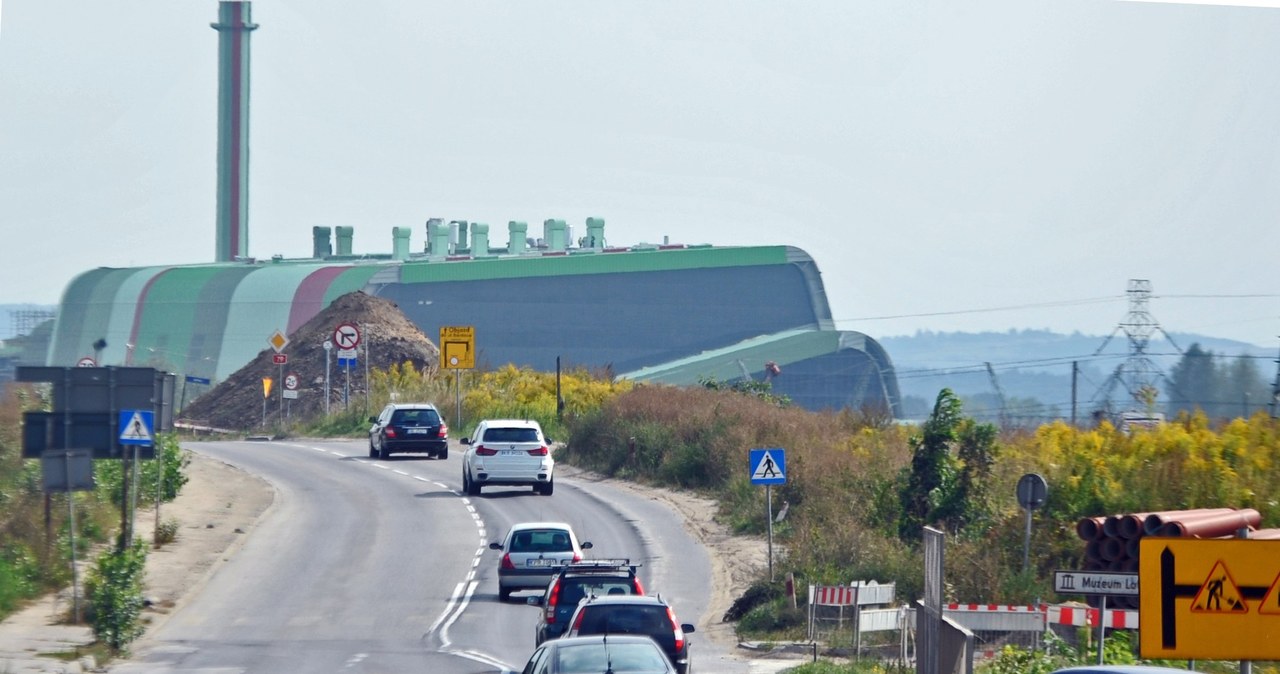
510	435
594	658
541	540
415	417
619	619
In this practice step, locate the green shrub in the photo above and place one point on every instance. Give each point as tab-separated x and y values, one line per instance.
18	569
776	616
114	590
166	532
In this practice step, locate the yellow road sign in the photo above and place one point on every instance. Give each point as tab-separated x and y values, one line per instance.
458	347
1209	598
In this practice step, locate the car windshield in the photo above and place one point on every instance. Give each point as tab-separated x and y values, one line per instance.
541	540
621	658
510	435
415	418
575	590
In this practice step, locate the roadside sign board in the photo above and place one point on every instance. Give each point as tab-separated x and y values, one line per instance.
458	347
769	466
1207	598
278	341
279	358
67	469
87	361
136	427
291	383
346	335
1096	582
192	379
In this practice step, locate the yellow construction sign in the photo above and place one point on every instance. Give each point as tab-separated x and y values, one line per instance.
458	347
1209	599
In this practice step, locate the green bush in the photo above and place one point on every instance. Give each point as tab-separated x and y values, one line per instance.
114	589
166	532
776	616
18	568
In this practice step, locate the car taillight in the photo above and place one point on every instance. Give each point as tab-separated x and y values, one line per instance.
577	622
639	588
675	626
541	451
444	431
506	561
577	556
485	451
553	598
391	432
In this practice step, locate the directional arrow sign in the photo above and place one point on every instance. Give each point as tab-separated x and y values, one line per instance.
1212	599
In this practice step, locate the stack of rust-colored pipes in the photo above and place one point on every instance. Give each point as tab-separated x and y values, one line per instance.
1111	543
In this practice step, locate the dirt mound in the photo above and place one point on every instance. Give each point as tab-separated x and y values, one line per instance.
386	337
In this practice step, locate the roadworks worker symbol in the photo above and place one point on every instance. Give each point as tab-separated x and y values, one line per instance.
1219	593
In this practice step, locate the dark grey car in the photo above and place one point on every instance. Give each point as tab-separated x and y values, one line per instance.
408	427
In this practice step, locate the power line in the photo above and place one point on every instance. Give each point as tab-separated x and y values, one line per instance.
983	310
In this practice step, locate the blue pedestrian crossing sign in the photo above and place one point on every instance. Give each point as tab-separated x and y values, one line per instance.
136	427
769	466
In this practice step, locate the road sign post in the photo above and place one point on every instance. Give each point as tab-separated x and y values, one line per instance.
769	467
346	337
328	360
458	353
1032	491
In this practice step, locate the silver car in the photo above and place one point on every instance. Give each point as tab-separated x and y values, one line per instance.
533	553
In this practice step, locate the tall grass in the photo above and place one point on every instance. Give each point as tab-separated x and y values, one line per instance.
35	553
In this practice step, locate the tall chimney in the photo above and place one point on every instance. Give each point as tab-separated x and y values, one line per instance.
233	26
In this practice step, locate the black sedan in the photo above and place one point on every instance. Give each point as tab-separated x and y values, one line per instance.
408	427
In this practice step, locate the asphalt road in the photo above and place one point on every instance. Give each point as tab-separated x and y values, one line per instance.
367	566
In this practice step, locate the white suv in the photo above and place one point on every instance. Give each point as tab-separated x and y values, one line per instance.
507	452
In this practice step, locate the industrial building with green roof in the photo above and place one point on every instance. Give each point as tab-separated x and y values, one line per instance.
670	313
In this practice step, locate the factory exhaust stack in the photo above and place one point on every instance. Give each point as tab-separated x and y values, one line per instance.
233	26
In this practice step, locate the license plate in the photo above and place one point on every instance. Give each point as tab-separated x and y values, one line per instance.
417	431
541	561
511	452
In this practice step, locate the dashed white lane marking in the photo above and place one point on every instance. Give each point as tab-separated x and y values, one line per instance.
459	601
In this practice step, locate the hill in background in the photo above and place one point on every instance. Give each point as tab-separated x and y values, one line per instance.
1034	364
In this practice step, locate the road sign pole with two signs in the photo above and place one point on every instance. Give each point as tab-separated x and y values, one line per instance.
769	467
346	337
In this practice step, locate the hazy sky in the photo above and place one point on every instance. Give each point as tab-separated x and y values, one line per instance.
952	165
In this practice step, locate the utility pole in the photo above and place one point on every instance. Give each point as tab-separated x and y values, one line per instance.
1275	390
1075	375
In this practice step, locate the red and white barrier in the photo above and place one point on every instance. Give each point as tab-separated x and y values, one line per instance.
1002	608
1079	616
833	595
1074	615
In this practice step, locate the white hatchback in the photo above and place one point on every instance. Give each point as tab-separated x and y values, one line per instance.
507	452
533	553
